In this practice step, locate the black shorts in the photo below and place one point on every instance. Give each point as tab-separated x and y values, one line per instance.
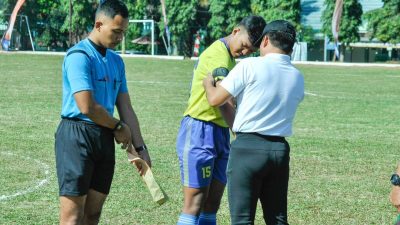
85	157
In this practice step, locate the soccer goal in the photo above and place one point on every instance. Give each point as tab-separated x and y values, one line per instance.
141	34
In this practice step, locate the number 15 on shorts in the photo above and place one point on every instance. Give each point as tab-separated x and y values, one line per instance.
206	171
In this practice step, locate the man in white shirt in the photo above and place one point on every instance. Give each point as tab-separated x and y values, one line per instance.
268	90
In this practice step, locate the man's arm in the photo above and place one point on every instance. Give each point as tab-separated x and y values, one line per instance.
216	96
89	107
228	111
395	193
128	115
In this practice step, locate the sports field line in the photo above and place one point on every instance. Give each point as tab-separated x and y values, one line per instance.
29	189
309	93
166	82
358	75
345	64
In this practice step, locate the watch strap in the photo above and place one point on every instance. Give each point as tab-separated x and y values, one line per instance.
395	179
117	125
141	148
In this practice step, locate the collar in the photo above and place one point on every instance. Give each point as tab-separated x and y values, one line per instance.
278	56
101	50
223	40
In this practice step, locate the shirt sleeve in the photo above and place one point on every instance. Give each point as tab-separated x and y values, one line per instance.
236	80
212	59
124	86
78	72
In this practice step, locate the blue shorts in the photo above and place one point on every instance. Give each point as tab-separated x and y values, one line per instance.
203	150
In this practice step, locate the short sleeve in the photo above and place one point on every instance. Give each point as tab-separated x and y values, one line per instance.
124	86
78	72
236	80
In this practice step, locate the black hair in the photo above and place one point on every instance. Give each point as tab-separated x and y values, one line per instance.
111	8
254	26
282	40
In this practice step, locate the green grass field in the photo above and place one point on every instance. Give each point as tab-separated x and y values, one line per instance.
345	147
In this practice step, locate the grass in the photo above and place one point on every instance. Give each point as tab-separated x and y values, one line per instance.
344	149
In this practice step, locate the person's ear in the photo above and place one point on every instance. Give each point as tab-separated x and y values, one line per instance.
235	30
264	42
98	24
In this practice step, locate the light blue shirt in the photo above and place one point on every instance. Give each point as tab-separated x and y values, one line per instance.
268	91
103	76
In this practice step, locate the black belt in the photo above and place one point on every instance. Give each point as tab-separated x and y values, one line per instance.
266	137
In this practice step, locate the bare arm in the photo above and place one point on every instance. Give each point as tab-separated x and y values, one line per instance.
94	111
228	111
89	107
128	115
216	96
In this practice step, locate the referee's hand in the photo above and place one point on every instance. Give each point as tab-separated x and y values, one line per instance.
123	136
145	156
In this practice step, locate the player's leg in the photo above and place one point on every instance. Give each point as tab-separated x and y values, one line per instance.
102	175
196	165
273	194
217	187
71	209
74	169
212	203
194	199
93	207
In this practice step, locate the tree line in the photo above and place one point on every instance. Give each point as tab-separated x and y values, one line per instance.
51	23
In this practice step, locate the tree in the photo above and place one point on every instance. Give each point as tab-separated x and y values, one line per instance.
272	10
83	14
47	18
287	10
225	15
182	24
349	23
384	23
3	8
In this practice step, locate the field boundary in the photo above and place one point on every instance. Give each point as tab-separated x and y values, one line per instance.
317	63
38	183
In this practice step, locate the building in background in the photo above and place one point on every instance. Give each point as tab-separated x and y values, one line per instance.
365	50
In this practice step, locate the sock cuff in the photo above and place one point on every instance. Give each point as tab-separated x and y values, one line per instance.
187	219
208	216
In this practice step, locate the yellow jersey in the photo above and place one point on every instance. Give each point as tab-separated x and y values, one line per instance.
215	56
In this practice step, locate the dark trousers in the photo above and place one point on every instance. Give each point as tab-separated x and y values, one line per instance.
258	168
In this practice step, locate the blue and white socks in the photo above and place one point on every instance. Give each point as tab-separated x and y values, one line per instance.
186	219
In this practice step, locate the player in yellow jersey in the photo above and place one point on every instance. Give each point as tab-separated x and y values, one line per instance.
203	140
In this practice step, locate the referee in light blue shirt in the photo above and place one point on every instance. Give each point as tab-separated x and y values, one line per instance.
93	84
268	90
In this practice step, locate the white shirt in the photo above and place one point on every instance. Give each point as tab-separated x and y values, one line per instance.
268	90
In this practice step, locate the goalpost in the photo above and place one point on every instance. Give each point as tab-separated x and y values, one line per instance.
152	32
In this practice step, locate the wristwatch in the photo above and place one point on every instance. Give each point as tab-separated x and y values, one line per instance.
118	126
141	148
395	179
